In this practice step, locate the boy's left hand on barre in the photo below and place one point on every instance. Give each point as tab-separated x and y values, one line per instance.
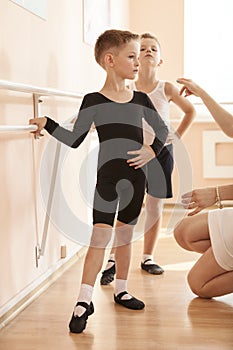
40	122
143	156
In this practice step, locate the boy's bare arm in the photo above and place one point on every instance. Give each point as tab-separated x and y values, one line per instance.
186	106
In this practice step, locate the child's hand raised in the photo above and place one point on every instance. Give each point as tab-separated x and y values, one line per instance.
40	122
143	156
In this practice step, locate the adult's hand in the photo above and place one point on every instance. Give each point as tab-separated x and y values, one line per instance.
189	88
199	199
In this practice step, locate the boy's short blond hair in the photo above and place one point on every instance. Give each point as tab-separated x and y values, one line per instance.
112	38
150	36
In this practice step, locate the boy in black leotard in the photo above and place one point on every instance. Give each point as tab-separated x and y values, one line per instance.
117	113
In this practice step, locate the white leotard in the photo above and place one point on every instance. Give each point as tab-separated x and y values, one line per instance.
159	99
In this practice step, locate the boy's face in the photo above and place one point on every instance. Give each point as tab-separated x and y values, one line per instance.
150	52
126	60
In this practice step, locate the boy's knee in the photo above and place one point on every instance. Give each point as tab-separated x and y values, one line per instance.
100	241
123	237
123	240
154	206
100	237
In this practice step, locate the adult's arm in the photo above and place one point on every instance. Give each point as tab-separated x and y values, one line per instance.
201	198
222	117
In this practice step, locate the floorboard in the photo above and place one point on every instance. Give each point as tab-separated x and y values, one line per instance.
173	318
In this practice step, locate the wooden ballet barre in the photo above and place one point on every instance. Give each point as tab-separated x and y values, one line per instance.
17	128
9	85
37	93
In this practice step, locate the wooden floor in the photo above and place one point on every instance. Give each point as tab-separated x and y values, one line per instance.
173	317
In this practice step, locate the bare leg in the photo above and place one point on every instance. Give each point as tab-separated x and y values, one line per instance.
153	220
123	234
113	250
153	207
101	235
123	238
207	279
192	233
110	269
95	255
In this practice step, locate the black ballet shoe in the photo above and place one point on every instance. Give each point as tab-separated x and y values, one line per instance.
78	323
133	303
154	269
108	275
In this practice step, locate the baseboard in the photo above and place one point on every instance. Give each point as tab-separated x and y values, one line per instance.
11	309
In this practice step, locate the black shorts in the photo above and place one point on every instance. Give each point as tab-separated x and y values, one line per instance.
159	170
120	192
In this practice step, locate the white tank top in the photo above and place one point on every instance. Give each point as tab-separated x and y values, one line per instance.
159	99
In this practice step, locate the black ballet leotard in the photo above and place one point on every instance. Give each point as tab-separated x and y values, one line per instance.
119	188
